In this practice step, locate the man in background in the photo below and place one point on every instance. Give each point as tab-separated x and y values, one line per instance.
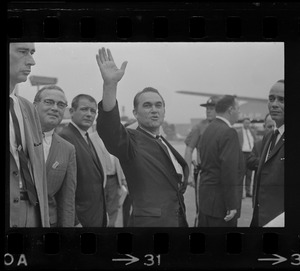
27	183
220	190
247	139
113	188
192	142
91	172
59	154
269	184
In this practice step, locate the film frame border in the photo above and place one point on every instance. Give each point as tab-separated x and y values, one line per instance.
279	22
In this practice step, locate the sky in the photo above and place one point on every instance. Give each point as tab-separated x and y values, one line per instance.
246	69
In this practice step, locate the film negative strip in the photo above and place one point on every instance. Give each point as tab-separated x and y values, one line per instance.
162	40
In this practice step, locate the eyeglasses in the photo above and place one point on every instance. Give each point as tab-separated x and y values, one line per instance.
60	105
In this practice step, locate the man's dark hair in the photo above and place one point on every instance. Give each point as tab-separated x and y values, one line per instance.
38	95
76	100
224	103
147	89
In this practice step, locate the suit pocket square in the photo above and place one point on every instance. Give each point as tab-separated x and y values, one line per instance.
55	165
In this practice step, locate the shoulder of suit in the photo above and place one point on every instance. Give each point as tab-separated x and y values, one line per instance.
29	105
64	142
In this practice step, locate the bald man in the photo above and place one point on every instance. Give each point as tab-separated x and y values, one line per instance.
269	184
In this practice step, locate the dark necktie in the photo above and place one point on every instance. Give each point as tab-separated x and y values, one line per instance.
91	146
160	142
24	170
273	141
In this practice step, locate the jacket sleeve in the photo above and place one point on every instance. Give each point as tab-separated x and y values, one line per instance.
115	136
231	182
253	158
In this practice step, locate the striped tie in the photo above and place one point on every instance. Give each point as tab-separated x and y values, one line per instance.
273	141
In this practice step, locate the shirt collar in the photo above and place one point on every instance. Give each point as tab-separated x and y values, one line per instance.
49	133
148	132
13	96
82	132
281	129
225	120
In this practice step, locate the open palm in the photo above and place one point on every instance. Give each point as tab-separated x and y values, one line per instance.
109	71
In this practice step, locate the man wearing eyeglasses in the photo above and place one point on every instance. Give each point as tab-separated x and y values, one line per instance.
28	202
59	155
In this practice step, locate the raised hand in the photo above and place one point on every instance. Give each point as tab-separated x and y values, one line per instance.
109	71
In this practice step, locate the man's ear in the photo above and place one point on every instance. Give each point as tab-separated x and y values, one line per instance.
134	113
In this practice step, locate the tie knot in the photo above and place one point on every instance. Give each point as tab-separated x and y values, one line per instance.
276	132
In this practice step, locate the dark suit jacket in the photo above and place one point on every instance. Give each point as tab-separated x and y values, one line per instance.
151	177
269	184
33	137
89	200
221	180
61	182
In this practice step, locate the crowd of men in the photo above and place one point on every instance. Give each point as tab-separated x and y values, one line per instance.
78	178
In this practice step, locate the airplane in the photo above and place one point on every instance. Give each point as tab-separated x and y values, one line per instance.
252	107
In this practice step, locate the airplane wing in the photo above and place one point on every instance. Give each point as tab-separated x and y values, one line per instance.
208	94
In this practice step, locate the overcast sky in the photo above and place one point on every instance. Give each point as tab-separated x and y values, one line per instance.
246	69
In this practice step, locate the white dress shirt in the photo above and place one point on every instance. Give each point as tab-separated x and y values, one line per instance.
248	140
176	165
47	140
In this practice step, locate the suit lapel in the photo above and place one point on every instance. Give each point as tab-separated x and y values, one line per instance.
277	146
54	148
153	138
180	160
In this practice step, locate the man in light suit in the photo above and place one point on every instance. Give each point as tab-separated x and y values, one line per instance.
220	191
247	139
27	186
51	102
269	184
114	179
91	174
155	172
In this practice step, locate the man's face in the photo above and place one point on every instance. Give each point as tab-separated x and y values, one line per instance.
85	114
246	123
150	112
210	112
269	124
20	61
51	114
276	103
